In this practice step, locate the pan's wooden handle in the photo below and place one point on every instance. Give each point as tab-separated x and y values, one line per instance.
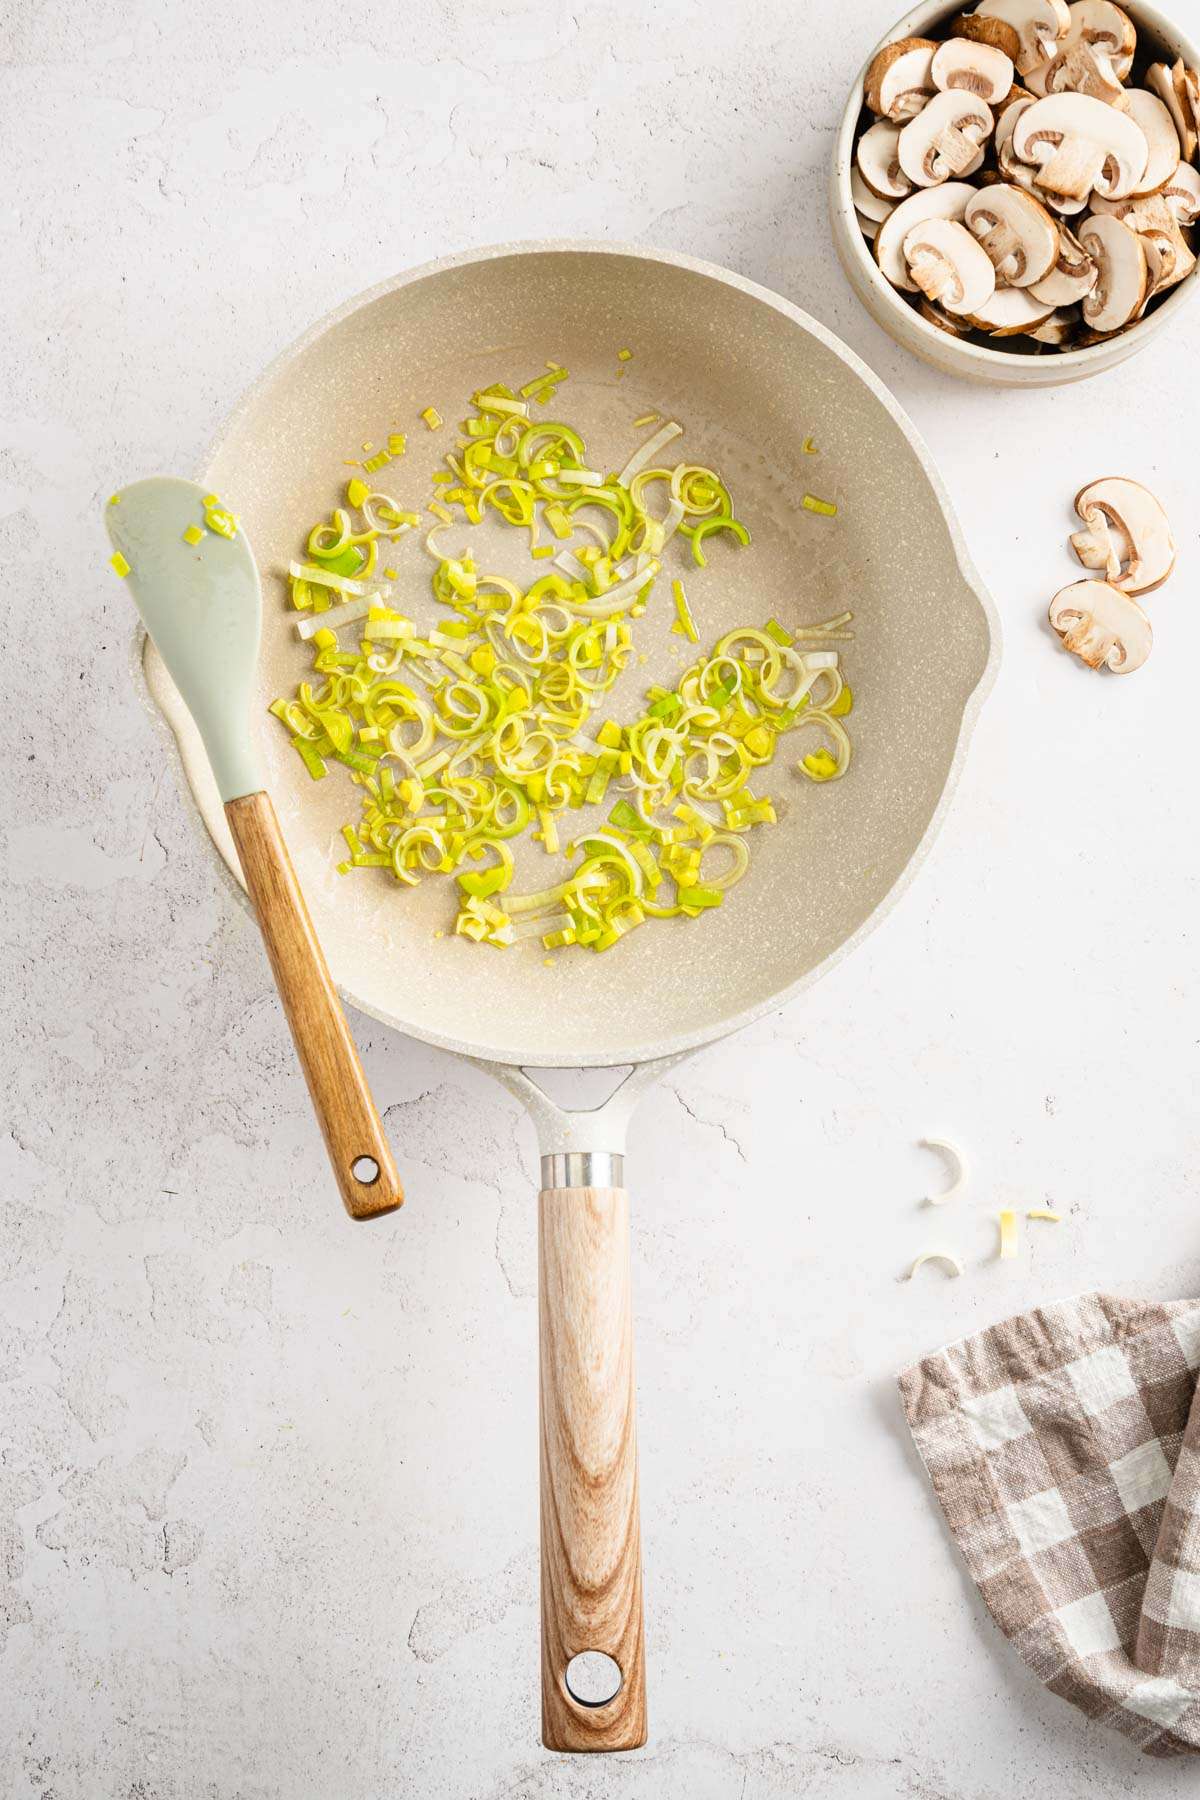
340	1096
591	1532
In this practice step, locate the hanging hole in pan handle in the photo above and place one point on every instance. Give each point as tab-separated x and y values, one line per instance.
365	1170
592	1678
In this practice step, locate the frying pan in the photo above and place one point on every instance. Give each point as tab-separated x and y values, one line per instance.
751	378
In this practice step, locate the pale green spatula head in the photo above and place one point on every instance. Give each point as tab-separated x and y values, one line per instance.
202	605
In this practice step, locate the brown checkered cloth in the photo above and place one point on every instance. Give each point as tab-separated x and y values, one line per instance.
1064	1447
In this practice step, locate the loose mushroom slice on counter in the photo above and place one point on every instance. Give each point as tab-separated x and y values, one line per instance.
961	66
870	204
1123	273
1102	626
898	82
1081	144
948	266
1108	29
945	140
1128	534
1017	233
878	164
945	202
1009	312
1170	86
1073	276
1082	69
1182	194
1158	128
1038	25
982	30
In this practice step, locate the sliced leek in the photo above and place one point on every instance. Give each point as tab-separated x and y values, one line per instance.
487	727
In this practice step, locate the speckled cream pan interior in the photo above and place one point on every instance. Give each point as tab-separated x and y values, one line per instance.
750	378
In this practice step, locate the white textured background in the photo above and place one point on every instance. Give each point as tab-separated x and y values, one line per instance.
267	1482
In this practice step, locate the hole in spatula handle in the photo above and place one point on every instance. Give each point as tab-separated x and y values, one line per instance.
593	1679
365	1170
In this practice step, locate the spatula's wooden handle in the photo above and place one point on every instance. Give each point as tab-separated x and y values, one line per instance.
591	1532
340	1096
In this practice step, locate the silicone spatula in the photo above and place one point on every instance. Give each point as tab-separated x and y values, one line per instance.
202	605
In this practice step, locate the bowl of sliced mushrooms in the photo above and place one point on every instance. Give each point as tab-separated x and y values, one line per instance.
1015	190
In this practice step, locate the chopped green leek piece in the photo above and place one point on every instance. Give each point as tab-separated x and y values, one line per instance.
119	564
706	527
193	534
684	622
826	508
432	417
701	897
218	518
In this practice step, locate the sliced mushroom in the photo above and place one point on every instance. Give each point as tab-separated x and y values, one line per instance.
1107	29
1059	329
1170	86
1016	231
945	202
961	66
1035	79
945	140
1141	212
1005	126
1021	174
1073	276
943	320
1081	144
867	202
1158	128
948	266
1038	25
868	227
1128	534
1059	203
1182	194
1080	68
1191	85
898	82
1169	260
878	164
982	30
1102	626
1123	274
1010	311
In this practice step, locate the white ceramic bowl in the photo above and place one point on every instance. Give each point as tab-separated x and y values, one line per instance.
956	356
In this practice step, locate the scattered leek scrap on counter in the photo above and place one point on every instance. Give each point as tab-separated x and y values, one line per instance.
1008	1234
492	723
959	1164
1045	1212
947	1257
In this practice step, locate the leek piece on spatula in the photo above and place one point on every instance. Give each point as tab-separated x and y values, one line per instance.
192	575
